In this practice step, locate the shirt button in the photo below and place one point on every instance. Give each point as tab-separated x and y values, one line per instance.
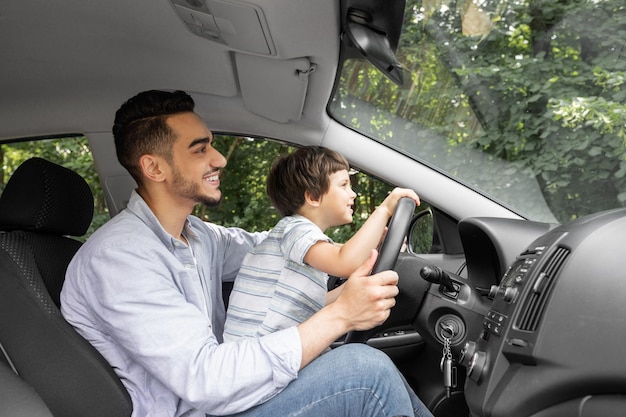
187	266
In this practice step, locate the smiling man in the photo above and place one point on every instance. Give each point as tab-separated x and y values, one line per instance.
145	290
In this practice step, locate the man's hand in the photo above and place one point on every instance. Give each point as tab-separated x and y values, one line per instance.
365	302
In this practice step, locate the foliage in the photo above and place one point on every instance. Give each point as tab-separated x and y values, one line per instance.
507	93
245	202
558	103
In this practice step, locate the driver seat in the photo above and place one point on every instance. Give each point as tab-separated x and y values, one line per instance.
42	204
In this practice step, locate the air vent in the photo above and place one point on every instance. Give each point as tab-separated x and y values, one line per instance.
536	299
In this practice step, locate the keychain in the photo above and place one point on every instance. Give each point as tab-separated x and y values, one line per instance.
447	366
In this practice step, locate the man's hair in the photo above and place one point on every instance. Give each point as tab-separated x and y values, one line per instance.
306	170
140	127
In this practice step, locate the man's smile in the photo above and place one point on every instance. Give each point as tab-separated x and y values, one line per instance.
212	178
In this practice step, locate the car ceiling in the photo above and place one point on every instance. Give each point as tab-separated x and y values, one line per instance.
68	65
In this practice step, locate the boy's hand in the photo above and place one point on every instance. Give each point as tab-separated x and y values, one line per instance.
391	202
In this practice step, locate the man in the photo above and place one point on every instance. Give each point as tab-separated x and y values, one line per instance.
145	290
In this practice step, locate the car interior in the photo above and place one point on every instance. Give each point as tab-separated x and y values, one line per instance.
64	370
507	117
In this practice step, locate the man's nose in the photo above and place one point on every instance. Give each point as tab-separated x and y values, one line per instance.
217	159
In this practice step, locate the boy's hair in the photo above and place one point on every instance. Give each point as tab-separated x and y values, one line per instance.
307	169
140	127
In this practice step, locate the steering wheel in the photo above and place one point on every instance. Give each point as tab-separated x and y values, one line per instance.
388	254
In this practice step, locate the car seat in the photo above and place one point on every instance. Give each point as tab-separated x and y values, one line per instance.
42	205
17	398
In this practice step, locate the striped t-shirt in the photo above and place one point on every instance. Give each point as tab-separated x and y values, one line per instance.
275	289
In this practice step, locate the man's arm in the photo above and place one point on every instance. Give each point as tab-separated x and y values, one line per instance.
239	242
151	323
364	303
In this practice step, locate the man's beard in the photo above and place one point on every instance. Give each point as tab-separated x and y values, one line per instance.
191	190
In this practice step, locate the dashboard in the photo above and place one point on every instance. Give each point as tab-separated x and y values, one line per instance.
551	342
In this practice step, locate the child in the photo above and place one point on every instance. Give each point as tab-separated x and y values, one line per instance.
283	280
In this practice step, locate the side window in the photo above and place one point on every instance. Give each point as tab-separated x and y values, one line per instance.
70	152
246	204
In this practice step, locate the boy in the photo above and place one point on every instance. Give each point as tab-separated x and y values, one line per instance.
283	281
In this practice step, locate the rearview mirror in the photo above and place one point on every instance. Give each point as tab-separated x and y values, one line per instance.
374	45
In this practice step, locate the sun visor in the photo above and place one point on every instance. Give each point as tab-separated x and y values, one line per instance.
239	26
274	88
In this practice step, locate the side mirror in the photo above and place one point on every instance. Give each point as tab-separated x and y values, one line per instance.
421	231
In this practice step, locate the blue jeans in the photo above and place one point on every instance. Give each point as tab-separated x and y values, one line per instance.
354	380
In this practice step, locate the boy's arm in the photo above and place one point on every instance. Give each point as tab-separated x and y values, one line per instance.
342	260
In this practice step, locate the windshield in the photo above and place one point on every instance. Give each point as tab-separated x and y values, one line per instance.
522	100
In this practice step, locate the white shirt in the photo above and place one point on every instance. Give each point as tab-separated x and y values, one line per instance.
134	292
275	289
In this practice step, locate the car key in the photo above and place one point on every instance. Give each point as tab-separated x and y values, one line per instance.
447	366
448	371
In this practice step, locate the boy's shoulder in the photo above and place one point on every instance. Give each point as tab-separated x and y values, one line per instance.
297	227
292	222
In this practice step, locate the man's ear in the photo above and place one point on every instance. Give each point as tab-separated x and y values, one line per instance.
153	167
310	200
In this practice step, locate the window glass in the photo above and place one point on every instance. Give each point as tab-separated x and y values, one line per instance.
523	101
246	203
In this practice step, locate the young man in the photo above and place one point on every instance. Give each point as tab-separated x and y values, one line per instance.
145	290
283	280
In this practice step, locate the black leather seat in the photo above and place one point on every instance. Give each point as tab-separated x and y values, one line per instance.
42	204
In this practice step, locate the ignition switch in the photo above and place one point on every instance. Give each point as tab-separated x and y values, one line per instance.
450	327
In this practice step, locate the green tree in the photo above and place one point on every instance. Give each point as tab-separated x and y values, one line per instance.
245	203
555	101
537	83
243	186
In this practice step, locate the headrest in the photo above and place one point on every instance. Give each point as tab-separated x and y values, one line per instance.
45	197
